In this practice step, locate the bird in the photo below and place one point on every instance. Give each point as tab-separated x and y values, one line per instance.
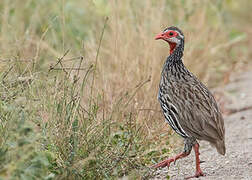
188	106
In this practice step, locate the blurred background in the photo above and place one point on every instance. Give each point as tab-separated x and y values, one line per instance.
79	80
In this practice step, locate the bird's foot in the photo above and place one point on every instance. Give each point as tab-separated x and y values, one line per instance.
197	174
164	163
167	162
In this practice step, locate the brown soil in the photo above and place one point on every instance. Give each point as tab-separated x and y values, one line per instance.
237	163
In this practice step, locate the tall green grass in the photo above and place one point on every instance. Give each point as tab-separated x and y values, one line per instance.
78	81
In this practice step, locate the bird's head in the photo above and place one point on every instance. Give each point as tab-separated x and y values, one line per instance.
173	36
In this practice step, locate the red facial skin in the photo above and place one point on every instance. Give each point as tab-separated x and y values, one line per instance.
165	36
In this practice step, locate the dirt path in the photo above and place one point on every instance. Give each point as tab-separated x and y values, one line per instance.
237	163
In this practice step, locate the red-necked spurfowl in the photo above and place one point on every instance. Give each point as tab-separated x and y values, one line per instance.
188	106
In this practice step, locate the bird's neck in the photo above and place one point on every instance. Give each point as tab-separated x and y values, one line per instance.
176	53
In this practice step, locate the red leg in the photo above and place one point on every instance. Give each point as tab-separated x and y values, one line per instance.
167	162
198	170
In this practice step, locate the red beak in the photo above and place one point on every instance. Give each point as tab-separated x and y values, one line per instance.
159	36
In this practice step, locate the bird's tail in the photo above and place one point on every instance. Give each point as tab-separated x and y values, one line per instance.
220	146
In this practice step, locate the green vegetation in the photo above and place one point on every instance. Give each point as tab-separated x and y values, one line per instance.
78	90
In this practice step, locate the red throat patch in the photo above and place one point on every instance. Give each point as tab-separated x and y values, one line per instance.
172	47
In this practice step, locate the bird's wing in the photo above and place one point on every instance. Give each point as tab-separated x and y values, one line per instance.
200	115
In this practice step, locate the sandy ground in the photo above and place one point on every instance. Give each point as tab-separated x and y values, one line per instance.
237	163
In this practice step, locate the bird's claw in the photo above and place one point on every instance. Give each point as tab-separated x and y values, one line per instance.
165	163
197	174
175	161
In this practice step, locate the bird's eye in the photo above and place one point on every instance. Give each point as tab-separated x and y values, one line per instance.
171	33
